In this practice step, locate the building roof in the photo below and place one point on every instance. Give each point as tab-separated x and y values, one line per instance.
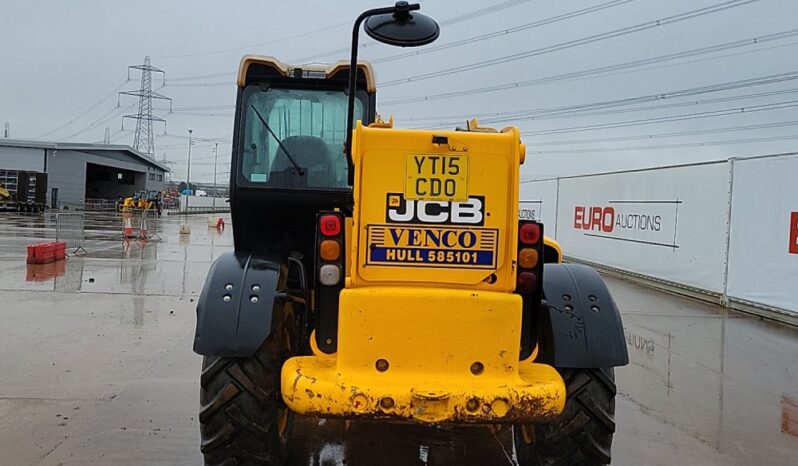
80	146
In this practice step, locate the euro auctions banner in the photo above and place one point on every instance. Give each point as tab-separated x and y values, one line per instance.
763	247
538	201
667	223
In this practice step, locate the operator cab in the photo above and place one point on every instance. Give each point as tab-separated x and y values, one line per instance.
288	149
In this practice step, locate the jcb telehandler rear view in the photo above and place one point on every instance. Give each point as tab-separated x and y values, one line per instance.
382	273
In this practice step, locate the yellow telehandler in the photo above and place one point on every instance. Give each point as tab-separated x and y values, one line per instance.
383	273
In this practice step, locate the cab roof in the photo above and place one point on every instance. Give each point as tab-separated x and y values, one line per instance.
285	70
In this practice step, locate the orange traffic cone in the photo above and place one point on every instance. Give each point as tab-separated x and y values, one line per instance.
128	230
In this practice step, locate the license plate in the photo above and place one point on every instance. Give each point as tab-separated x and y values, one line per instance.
439	177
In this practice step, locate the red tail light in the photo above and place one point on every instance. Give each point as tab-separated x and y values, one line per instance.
527	282
330	225
529	233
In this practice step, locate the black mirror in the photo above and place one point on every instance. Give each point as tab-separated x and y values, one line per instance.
399	25
402	28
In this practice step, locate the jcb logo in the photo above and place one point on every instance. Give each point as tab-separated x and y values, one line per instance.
401	210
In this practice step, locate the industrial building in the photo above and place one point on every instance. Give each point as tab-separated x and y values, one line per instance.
79	172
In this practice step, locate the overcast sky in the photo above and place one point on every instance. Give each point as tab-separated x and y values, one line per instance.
63	63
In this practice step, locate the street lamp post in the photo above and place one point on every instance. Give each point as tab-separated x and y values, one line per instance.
188	170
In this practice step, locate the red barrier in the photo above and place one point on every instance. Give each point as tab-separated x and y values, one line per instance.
60	250
44	253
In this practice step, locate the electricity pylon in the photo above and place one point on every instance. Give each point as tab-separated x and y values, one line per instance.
144	139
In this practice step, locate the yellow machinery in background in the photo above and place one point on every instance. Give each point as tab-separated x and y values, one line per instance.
142	200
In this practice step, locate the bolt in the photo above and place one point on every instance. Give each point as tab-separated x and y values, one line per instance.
255	288
228	287
382	365
594	308
499	407
387	403
592	298
477	368
253	299
568	308
472	405
360	402
566	297
226	298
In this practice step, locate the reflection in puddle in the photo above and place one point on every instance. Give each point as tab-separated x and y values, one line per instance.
789	416
45	272
67	275
140	259
329	455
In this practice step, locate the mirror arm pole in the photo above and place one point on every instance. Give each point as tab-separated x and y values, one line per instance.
350	114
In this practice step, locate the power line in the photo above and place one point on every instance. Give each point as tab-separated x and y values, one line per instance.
479	13
102	99
447	22
456	119
671	118
260	44
507	31
691	103
781	124
531	114
667	146
600	70
113	113
574	43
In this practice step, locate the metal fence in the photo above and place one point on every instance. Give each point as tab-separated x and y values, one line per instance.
150	225
101	204
201	210
70	228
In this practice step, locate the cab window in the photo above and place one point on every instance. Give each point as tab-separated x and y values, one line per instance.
293	138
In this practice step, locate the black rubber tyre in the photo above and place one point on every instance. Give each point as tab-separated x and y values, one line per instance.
582	434
243	420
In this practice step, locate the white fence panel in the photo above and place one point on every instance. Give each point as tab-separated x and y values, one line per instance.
538	201
763	247
667	223
203	203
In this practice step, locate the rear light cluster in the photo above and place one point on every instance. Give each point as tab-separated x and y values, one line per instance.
530	257
330	267
329	248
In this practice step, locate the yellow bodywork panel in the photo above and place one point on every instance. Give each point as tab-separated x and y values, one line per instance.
435	208
429	326
553	244
429	355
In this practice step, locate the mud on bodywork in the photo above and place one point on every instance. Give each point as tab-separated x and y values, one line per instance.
499	402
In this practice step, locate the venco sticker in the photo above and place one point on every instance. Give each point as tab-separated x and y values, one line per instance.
652	222
442	247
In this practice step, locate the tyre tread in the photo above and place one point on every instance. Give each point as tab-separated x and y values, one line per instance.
582	434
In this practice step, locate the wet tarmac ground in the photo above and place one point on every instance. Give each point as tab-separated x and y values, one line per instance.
96	368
